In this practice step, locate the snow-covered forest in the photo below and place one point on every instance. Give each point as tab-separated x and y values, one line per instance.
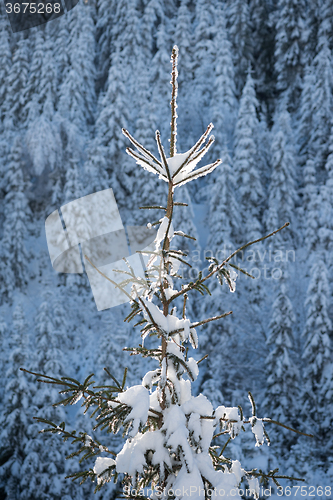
262	72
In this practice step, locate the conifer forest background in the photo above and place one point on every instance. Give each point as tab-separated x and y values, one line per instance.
261	71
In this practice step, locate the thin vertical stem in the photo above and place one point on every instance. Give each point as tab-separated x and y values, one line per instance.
169	210
174	116
166	246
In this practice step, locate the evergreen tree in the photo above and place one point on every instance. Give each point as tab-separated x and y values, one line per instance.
282	386
127	39
153	14
316	224
49	74
77	218
15	98
291	36
62	54
43	465
77	92
317	213
305	123
224	219
32	80
77	97
161	414
114	115
250	191
321	101
18	407
220	382
160	79
5	61
203	52
239	27
95	168
223	102
104	29
145	189
33	86
282	193
43	141
311	204
264	144
317	351
328	197
250	197
313	18
42	136
183	37
310	186
73	188
14	254
325	30
261	12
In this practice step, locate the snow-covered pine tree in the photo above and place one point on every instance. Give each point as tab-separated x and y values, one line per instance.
240	30
282	389
5	59
282	193
305	114
184	37
322	102
127	41
169	430
328	198
153	12
160	77
220	380
317	352
61	54
15	98
14	254
223	103
72	191
145	190
317	214
114	114
104	27
77	99
203	52
43	464
33	87
263	44
311	206
18	407
250	190
250	194
95	168
291	37
326	24
42	136
264	149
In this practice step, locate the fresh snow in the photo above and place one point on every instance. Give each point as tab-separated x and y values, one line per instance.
101	464
138	398
258	430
